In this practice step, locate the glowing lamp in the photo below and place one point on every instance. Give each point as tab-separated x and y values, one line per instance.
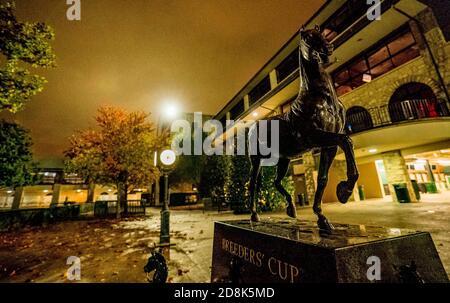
167	157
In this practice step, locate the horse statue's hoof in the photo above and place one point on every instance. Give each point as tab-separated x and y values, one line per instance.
291	211
255	217
343	192
324	225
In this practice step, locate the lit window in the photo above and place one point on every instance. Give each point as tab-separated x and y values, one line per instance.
406	56
378	60
381	69
378	56
358	68
341	77
401	43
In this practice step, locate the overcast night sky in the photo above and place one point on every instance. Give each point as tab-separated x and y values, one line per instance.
136	54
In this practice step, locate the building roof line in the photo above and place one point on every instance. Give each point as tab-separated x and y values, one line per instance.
274	56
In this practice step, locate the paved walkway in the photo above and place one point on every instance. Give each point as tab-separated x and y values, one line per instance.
113	251
432	215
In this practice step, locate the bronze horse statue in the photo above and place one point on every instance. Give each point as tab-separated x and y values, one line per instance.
316	120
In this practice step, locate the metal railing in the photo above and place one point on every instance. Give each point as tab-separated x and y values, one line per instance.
221	203
417	109
108	208
359	121
396	112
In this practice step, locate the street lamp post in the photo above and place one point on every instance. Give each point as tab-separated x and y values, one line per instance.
165	162
167	159
169	112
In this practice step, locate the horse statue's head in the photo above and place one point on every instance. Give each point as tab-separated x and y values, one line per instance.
156	263
314	46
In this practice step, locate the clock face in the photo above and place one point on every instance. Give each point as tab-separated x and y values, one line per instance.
168	157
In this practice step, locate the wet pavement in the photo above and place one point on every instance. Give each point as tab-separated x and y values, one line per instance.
431	215
113	251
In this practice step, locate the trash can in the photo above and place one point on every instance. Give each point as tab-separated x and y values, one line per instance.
416	189
401	191
431	188
362	193
422	188
303	199
300	199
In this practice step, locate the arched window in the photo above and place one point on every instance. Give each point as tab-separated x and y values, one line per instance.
358	119
413	91
415	100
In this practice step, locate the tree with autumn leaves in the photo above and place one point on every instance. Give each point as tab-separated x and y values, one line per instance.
118	151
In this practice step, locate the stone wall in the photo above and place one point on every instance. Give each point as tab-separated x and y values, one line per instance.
440	9
439	47
379	91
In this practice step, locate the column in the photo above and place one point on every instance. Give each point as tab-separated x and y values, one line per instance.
56	194
150	189
273	79
431	176
246	102
396	173
18	197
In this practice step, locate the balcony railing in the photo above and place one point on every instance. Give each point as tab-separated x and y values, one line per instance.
394	113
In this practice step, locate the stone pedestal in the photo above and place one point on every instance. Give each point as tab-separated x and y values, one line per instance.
291	251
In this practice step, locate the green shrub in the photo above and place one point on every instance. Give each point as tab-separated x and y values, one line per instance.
214	177
86	207
269	198
238	184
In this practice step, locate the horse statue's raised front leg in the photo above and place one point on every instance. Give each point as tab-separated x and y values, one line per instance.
329	143
345	188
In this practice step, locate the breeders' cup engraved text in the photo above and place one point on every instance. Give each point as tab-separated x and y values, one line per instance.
283	270
245	253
